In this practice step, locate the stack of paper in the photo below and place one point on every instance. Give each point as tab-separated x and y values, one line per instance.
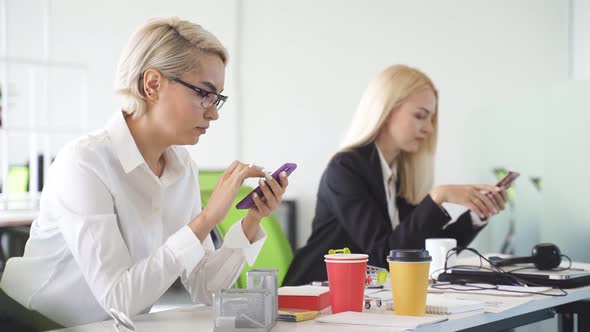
386	320
491	303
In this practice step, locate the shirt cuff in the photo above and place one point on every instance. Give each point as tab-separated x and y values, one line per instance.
444	211
236	239
476	220
435	207
186	247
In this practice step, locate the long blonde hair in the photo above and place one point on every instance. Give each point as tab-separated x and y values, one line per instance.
170	45
385	94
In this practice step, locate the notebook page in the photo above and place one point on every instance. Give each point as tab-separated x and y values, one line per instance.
443	305
387	319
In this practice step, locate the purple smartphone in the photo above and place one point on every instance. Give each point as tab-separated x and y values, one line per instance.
507	180
248	202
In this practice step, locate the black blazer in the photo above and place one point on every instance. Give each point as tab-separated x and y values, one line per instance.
351	211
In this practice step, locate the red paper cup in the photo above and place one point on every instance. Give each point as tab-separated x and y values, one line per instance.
346	278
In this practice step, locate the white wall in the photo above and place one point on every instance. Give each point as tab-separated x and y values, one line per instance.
581	39
567	161
306	63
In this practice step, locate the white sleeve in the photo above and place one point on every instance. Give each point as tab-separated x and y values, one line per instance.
476	220
220	268
88	223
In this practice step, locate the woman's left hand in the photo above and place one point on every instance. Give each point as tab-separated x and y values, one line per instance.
482	199
273	194
499	198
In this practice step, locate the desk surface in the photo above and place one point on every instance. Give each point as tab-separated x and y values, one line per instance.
200	318
9	218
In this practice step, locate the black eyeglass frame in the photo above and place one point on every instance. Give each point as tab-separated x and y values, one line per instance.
219	101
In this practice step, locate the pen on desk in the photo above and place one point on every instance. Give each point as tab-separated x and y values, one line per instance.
319	283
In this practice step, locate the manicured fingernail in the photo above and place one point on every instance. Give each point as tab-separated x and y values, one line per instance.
267	176
261	183
498	189
255	195
284	174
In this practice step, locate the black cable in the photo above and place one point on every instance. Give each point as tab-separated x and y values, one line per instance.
565	268
455	251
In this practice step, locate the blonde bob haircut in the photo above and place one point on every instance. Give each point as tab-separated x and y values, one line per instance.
385	94
170	45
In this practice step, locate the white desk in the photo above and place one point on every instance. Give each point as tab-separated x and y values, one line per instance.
14	218
11	218
200	318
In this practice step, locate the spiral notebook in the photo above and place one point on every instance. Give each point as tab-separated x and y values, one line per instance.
385	320
442	305
439	304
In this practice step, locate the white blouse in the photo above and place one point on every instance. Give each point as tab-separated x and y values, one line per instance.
389	180
111	234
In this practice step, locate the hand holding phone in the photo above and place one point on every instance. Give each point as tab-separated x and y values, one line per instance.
500	198
248	201
507	180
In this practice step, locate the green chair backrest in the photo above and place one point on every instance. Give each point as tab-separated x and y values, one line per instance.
276	251
18	179
208	180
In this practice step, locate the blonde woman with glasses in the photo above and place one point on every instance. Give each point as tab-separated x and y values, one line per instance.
121	214
377	192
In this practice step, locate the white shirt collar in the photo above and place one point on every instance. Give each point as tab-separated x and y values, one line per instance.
385	168
123	143
390	188
128	153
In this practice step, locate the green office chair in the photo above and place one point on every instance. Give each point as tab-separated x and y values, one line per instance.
276	251
18	179
16	182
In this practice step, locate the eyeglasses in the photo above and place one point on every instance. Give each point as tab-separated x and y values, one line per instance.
209	98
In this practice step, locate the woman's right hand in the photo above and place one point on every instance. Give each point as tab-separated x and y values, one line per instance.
482	199
225	192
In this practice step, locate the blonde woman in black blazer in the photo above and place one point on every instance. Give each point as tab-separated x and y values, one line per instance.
377	192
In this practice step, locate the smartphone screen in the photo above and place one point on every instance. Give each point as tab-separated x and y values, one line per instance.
248	201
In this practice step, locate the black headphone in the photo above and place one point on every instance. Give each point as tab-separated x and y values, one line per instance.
545	256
